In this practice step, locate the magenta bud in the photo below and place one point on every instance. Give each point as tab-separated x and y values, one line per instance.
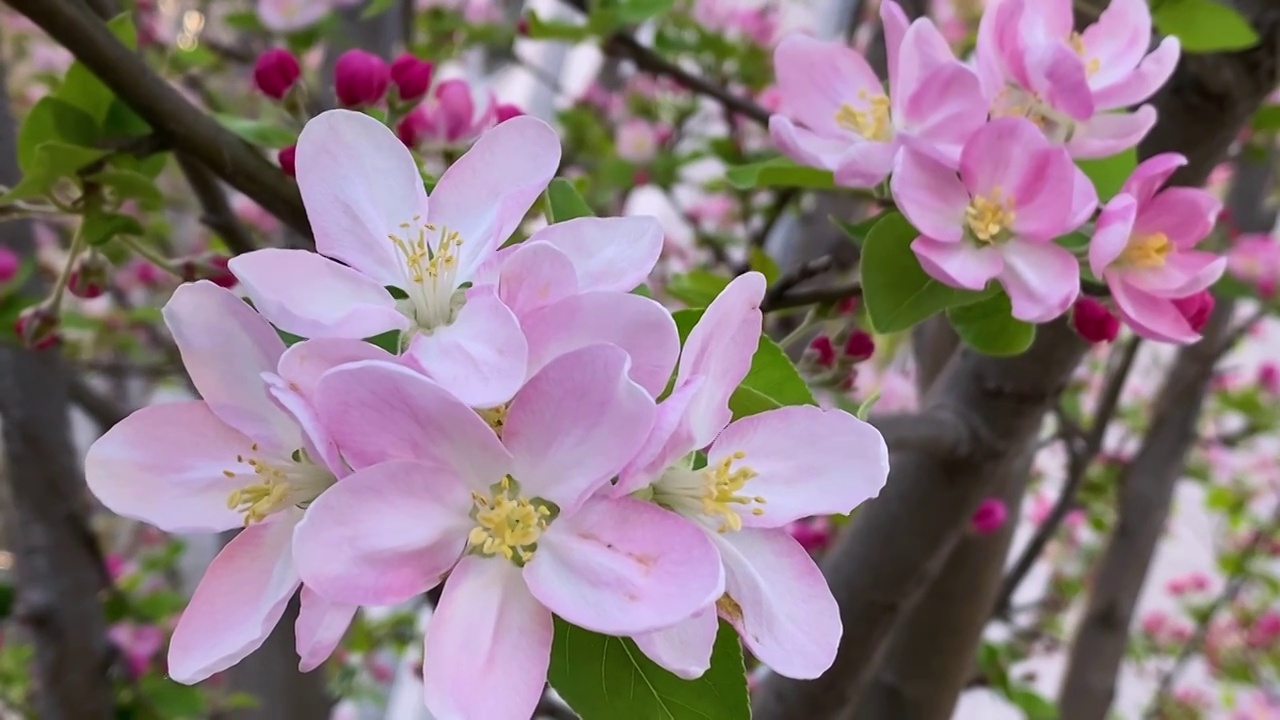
9	264
506	111
37	327
1196	308
989	516
211	267
824	351
275	71
360	78
286	159
89	276
1093	321
411	76
859	346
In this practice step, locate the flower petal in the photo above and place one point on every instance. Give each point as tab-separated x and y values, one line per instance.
845	462
1185	215
481	357
304	363
615	253
534	276
958	264
1106	134
895	24
486	193
487	628
1151	317
638	325
320	627
669	440
310	295
781	605
1057	74
1154	71
1084	199
238	601
226	347
684	648
944	111
1042	279
807	147
164	465
1051	195
575	424
1117	40
623	566
929	195
815	77
1112	232
360	185
1151	175
1184	273
384	534
865	164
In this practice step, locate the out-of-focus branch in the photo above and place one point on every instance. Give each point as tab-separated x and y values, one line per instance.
217	214
104	411
185	126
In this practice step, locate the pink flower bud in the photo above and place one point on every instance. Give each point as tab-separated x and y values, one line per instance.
455	108
1269	377
9	264
413	128
360	78
1093	321
847	306
859	346
275	72
411	76
522	27
208	267
1196	308
1153	624
989	516
37	327
286	159
506	111
89	276
824	350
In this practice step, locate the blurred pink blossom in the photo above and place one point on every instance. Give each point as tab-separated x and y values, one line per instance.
138	643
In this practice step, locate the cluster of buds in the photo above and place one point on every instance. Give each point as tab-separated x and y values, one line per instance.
37	326
833	359
207	266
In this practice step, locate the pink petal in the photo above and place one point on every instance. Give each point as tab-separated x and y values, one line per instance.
1117	40
226	347
669	440
317	440
807	147
535	275
958	264
486	193
638	325
999	47
304	363
1112	232
285	16
815	77
487	629
719	349
309	295
575	424
238	601
1185	215
379	412
944	111
360	184
845	462
1042	279
1058	75
1154	71
1184	273
1084	199
895	24
481	357
1106	134
1151	317
930	195
865	164
615	253
624	566
384	534
164	465
1151	175
781	607
1045	199
684	648
320	627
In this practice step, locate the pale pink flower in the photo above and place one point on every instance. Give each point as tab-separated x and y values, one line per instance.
1255	258
836	116
248	455
636	141
1153	624
753	487
285	16
368	208
509	516
457	112
1265	629
998	218
1144	248
139	643
1032	64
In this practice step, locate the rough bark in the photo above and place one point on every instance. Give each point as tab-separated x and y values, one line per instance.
58	567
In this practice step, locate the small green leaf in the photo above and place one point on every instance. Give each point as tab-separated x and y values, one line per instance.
988	327
772	382
129	184
896	290
100	226
1075	242
608	678
564	202
1204	25
696	288
83	89
637	11
857	232
258	132
1267	118
778	172
864	410
1032	704
389	341
1109	173
53	160
376	7
172	700
540	29
55	120
760	261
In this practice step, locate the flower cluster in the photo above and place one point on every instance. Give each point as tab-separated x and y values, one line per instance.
516	436
980	156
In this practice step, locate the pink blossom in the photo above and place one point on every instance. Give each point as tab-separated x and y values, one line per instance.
457	112
1255	258
9	264
636	141
997	219
989	516
716	212
1032	64
1153	624
1269	377
506	506
753	486
835	114
138	643
284	16
247	455
1265	629
1144	247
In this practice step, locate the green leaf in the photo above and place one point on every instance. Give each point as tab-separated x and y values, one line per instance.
258	132
170	699
637	11
100	226
1032	704
760	261
1204	25
53	120
1109	173
778	172
1075	242
988	327
857	232
53	160
564	202
1267	118
696	288
772	382
608	678
83	89
896	290
540	29
376	7
129	184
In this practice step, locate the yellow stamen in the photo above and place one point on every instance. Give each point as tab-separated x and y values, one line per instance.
507	523
873	123
495	416
419	258
720	493
1091	65
990	217
297	482
1146	251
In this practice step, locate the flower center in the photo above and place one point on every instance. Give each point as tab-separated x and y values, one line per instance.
296	481
873	123
714	492
431	272
507	523
495	416
1091	65
1146	251
990	217
1013	101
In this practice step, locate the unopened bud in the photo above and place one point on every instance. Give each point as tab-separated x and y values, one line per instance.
1196	308
89	276
360	78
411	75
37	327
824	352
506	111
1093	321
989	516
275	72
286	159
209	267
859	346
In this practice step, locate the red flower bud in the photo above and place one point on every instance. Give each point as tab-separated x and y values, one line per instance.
1196	308
847	306
37	327
89	276
859	346
9	264
360	78
275	72
989	516
1093	321
411	76
286	159
823	350
506	111
208	267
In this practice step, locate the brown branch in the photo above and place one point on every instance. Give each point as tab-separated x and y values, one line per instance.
104	411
